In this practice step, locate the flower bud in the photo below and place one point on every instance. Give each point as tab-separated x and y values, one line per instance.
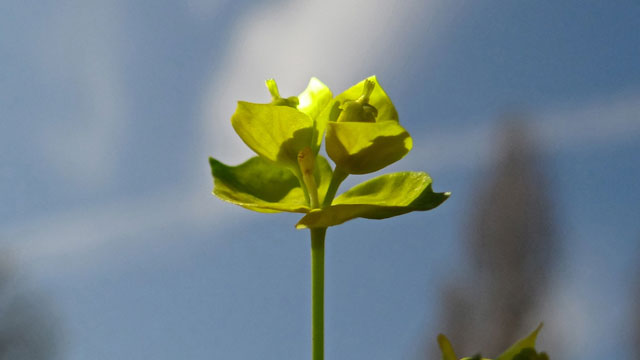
365	138
359	110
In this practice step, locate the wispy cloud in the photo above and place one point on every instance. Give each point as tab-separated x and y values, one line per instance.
568	127
276	40
295	40
82	238
289	40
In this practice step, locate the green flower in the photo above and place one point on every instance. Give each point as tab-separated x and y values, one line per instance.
363	133
362	136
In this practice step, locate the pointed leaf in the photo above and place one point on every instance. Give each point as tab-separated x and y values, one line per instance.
528	342
362	148
277	133
379	198
446	348
263	186
259	185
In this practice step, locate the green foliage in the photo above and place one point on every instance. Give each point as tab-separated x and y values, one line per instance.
523	349
446	348
261	185
362	147
362	136
379	198
527	342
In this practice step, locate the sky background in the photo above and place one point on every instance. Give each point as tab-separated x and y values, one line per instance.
109	110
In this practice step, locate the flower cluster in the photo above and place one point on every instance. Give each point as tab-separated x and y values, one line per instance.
363	135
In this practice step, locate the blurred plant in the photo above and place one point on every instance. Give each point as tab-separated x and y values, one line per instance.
524	349
27	328
511	248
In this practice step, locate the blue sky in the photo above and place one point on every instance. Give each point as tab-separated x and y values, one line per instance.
111	108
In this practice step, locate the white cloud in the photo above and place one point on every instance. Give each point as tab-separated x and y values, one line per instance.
571	127
84	237
339	42
278	40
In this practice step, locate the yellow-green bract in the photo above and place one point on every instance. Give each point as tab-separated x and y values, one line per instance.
523	349
363	135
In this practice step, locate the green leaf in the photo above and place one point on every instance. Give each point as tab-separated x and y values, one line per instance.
528	342
277	133
312	101
362	147
314	98
261	185
446	348
379	198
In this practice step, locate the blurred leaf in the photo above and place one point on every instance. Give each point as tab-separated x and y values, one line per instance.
446	348
362	147
277	133
261	185
528	342
530	354
379	198
524	349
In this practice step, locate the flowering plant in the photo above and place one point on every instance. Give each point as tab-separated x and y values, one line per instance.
363	135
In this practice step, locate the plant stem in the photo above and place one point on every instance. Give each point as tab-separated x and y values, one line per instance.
317	271
336	179
317	293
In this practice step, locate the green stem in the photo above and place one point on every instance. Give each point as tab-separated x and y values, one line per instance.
317	272
317	293
337	178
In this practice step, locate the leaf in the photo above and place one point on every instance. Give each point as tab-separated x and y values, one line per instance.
277	133
362	148
312	101
263	186
446	348
379	198
528	342
314	98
